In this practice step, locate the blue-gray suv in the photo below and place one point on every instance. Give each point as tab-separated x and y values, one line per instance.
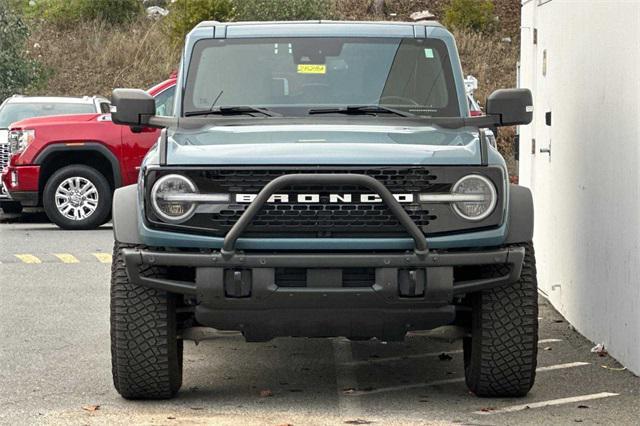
322	179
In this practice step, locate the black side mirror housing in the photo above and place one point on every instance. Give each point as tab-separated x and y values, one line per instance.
132	107
512	106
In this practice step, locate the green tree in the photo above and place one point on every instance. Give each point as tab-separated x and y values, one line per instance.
186	14
18	72
475	15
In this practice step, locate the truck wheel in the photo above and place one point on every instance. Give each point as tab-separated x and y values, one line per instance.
11	207
77	197
146	355
501	354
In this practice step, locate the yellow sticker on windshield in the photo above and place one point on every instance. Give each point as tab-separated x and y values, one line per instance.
312	69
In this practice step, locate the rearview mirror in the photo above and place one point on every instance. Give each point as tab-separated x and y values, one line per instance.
512	106
132	107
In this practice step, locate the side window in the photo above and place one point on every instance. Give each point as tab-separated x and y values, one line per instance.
164	102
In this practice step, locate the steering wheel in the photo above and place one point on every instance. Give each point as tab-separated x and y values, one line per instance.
402	99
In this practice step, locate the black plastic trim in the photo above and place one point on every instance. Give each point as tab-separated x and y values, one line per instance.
26	198
86	147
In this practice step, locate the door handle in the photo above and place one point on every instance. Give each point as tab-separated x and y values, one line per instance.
546	150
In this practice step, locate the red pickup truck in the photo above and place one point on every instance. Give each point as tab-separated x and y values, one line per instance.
71	164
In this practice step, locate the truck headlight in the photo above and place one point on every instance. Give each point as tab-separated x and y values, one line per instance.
169	201
481	197
19	140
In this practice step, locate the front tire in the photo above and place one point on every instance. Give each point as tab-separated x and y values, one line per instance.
146	355
501	354
77	197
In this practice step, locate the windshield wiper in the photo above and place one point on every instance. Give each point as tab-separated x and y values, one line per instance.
232	110
361	110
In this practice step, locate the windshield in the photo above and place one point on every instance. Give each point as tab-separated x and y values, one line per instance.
295	75
12	112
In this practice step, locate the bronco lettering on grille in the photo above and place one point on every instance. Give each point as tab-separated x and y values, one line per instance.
332	198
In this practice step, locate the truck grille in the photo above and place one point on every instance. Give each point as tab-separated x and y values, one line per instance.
324	219
4	155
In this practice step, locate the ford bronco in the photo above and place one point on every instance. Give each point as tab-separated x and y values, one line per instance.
322	179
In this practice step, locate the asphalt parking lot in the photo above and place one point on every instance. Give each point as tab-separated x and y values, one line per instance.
55	361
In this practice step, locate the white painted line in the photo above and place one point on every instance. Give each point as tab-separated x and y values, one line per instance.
561	366
457	379
548	403
346	381
426	355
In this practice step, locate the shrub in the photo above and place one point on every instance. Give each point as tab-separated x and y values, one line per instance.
66	13
476	15
186	14
17	71
283	10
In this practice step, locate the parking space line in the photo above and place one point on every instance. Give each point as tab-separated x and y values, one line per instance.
102	257
66	258
425	355
456	380
551	402
28	258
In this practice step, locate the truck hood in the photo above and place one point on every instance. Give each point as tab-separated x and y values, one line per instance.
56	119
313	144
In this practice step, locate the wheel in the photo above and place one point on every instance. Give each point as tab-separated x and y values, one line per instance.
500	356
146	355
11	207
77	197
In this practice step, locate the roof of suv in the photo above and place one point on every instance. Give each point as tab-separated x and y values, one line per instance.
257	23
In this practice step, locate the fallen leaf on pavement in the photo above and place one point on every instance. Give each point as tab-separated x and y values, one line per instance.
613	368
265	393
487	409
600	350
171	418
583	406
91	407
358	422
348	390
444	357
197	408
547	348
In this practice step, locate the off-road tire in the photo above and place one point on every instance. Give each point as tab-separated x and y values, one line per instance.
146	355
11	207
105	195
501	354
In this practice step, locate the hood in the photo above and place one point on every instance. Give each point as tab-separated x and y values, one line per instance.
324	144
55	119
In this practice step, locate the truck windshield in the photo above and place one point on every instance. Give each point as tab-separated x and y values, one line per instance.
295	75
13	112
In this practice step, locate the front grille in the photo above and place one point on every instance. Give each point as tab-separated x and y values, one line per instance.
4	155
325	219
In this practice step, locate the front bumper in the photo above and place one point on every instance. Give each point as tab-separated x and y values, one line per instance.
241	292
22	184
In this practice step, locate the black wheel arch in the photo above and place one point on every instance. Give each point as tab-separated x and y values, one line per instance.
520	222
92	154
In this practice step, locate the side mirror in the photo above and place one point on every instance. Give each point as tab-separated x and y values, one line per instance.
512	106
132	107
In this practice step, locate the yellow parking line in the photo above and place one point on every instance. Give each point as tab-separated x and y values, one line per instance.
66	258
28	258
103	257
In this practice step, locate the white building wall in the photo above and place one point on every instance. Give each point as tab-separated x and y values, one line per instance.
587	192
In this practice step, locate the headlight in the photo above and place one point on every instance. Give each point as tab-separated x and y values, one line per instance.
481	194
20	139
169	201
